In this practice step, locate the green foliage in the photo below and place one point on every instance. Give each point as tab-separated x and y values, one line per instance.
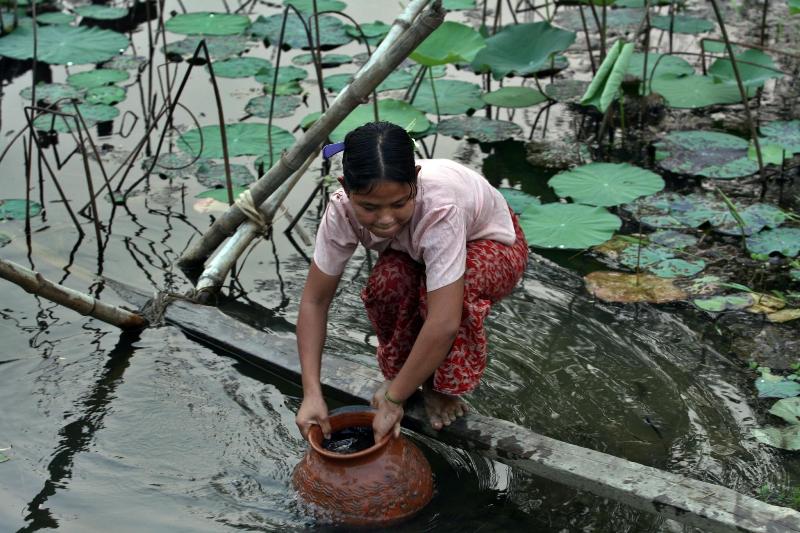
307	6
709	154
240	67
454	97
451	42
566	91
567	226
221	194
772	386
243	139
479	128
785	133
98	12
514	97
332	31
606	184
518	200
771	154
284	106
726	302
207	23
395	111
55	17
212	174
14	209
755	67
50	93
96	78
108	95
694	91
91	113
219	47
785	241
285	75
661	65
64	45
327	61
604	88
682	24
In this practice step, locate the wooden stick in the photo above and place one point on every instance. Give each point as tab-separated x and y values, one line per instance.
35	283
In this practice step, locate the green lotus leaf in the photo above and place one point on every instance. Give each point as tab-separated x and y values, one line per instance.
51	93
518	200
173	165
309	119
219	48
99	12
458	5
787	409
604	88
672	239
566	91
64	45
55	17
694	91
337	82
108	95
479	128
96	78
785	133
606	184
755	67
122	62
514	97
771	154
725	302
644	256
240	67
709	154
91	113
785	241
454	97
285	75
14	209
618	19
307	6
221	194
572	226
327	61
284	106
682	24
771	386
243	138
399	79
212	174
332	32
451	42
521	49
677	268
373	31
786	438
395	111
207	23
290	88
659	64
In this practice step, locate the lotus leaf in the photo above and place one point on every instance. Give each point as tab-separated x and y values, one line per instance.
14	209
243	139
571	226
726	302
794	7
784	315
771	154
212	174
518	200
96	78
627	288
173	165
783	132
327	61
673	268
514	97
221	195
451	42
521	49
454	97
659	64
604	88
332	32
682	24
125	62
755	217
395	111
51	93
555	65
64	45
219	48
337	82
755	67
284	89
99	12
480	128
644	256
285	75
458	5
566	91
284	106
785	241
373	31
207	23
619	19
399	79
606	184
691	92
309	119
91	113
55	17
709	154
307	6
765	304
672	239
108	94
771	386
787	438
240	67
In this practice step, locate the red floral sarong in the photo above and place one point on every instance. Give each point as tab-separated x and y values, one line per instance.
396	301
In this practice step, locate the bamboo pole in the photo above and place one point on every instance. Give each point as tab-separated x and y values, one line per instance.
368	78
35	283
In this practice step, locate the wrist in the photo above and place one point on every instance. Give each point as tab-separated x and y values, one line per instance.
392	400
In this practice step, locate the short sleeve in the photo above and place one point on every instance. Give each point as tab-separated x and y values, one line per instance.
336	240
443	241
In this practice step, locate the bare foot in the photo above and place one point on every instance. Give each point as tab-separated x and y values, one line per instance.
380	392
442	409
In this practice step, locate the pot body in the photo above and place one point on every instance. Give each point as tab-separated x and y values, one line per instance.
385	483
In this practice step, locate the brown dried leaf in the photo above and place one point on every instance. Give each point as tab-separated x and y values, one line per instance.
624	288
784	315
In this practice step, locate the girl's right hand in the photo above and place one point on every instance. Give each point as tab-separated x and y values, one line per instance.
312	411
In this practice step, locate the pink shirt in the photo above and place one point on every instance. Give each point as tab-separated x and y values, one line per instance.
454	204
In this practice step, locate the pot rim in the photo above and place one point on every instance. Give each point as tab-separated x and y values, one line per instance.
315	438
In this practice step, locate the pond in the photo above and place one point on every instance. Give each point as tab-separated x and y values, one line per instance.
153	431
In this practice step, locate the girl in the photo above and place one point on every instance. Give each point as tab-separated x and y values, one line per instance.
449	248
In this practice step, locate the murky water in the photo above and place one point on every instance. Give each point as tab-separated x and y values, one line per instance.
155	432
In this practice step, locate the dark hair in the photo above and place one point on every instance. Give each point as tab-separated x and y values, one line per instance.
378	151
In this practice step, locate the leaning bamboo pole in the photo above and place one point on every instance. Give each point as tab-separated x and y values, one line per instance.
35	283
365	81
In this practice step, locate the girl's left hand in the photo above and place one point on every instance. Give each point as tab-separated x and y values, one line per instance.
387	419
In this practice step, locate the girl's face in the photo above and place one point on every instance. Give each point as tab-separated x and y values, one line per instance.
385	209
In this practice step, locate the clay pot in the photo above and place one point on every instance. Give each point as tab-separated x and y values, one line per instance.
385	483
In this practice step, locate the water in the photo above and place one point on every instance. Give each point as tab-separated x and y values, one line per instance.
350	440
154	432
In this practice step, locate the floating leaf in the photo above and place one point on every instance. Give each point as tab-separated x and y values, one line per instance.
51	93
173	165
458	5
514	97
571	226
626	288
692	92
453	96
219	48
284	89
332	32
755	67
212	174
672	239
207	23
240	67
479	128
373	31
705	153
14	209
771	154
96	78
673	268
399	79
659	65
327	61
606	184
451	42
64	45
108	95
604	88
755	217
785	241
681	24
243	139
284	106
785	133
394	111
285	75
552	66
521	49
307	6
91	113
772	386
644	256
784	315
99	12
727	302
566	91
518	200
221	195
337	82
787	438
124	62
619	19
55	17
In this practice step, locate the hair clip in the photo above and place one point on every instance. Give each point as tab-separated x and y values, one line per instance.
330	150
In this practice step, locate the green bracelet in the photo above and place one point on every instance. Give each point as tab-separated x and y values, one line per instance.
390	399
